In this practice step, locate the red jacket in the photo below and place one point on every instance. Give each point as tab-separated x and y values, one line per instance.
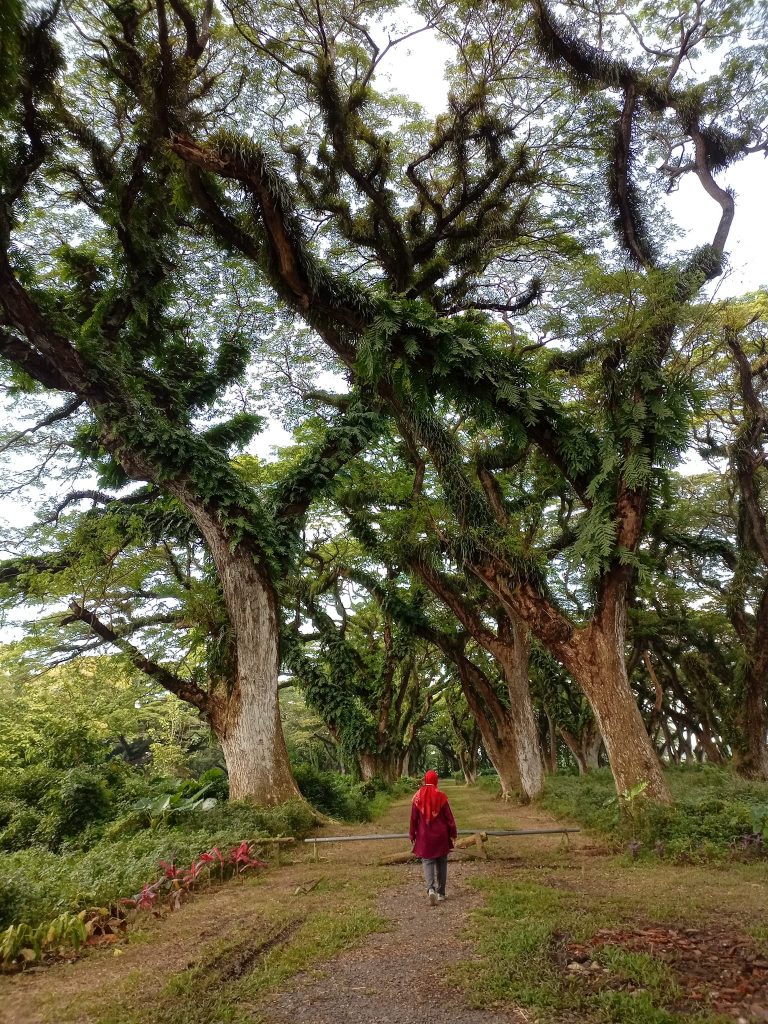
434	838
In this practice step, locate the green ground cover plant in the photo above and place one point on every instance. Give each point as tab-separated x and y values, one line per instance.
115	861
173	883
338	796
715	815
38	884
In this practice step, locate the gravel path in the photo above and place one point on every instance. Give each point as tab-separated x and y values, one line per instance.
402	976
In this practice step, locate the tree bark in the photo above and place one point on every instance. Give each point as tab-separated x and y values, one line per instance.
494	728
468	768
513	655
513	726
585	747
377	765
551	745
592	743
594	656
752	759
600	669
575	748
245	714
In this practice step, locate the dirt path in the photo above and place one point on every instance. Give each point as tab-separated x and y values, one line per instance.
399	976
402	976
407	974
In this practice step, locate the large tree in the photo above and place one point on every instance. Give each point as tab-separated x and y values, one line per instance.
436	226
387	244
715	538
116	326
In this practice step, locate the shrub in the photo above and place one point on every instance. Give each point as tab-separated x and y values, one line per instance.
217	783
37	884
81	798
712	814
337	795
20	830
9	808
31	784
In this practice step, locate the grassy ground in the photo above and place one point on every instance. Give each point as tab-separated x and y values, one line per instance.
688	877
526	923
234	974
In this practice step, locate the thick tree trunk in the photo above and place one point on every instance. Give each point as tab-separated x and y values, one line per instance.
600	669
751	759
524	734
496	734
246	720
510	735
551	745
585	747
574	746
378	765
498	742
591	745
708	747
468	760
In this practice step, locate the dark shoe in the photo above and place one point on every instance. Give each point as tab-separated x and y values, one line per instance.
441	897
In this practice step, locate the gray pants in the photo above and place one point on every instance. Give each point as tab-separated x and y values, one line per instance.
435	873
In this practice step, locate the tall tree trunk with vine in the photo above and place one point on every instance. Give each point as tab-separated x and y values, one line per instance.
245	716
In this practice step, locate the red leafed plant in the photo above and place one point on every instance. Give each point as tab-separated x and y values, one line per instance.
171	871
214	856
242	857
192	874
145	900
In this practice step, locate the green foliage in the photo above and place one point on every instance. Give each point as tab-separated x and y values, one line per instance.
45	806
713	815
38	884
11	15
339	796
62	774
21	940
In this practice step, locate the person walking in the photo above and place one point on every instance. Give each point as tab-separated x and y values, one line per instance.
433	833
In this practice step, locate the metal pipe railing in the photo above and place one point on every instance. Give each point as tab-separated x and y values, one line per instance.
462	832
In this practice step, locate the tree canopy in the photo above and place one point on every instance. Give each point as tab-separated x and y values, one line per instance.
203	207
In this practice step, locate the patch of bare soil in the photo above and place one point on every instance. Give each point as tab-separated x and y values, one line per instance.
716	970
242	961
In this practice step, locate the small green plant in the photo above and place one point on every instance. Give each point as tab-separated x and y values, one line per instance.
154	811
22	944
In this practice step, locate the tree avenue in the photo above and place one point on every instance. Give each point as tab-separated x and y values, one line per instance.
499	288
